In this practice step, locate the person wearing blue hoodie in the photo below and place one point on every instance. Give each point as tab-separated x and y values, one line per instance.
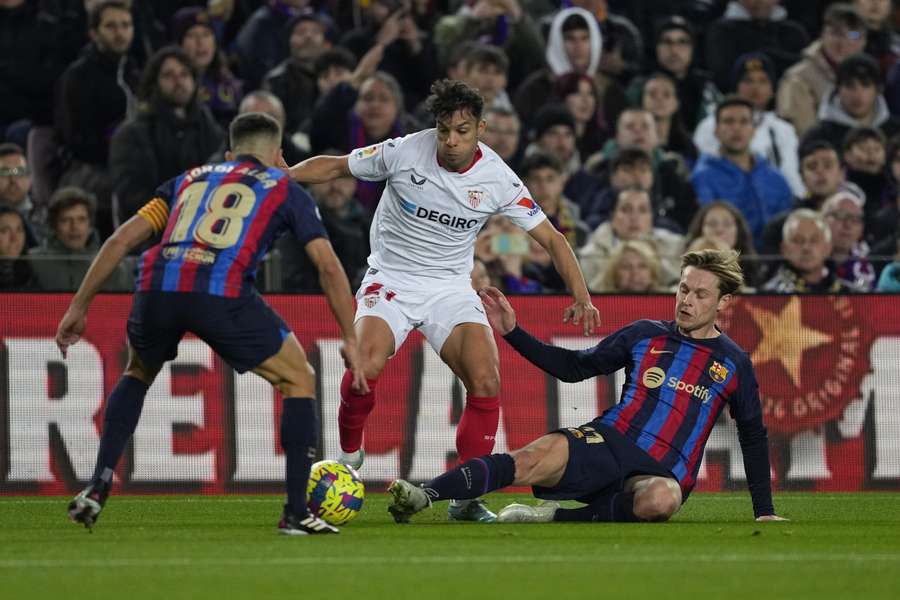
749	182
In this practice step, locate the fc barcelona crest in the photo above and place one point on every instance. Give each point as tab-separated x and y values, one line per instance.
718	372
475	197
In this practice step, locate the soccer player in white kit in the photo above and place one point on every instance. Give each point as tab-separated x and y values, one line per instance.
442	185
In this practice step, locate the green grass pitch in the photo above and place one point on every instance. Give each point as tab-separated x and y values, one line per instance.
835	546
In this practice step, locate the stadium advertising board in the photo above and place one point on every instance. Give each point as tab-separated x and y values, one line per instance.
828	368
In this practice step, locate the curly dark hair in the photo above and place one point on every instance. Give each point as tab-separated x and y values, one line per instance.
449	96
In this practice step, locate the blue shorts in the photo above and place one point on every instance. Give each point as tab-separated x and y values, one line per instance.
244	331
600	461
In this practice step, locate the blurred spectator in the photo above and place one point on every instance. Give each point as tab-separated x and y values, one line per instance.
890	276
857	102
578	93
294	81
773	137
673	197
806	247
544	178
347	225
633	268
805	84
632	219
884	229
15	185
268	103
864	155
749	182
660	98
823	176
623	45
258	45
96	95
217	88
630	167
883	42
849	251
170	134
500	23
332	67
675	54
574	45
722	222
505	250
486	69
749	26
408	54
480	276
15	273
502	134
62	261
347	118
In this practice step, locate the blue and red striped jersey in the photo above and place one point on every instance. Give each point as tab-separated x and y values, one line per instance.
222	220
675	388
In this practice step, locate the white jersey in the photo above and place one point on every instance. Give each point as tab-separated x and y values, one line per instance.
428	217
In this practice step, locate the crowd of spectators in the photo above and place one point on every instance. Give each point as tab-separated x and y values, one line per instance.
642	128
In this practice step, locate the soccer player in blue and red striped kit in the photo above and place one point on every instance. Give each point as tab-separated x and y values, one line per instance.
638	461
214	224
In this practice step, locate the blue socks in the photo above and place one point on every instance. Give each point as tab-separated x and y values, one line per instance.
123	409
299	439
473	478
617	507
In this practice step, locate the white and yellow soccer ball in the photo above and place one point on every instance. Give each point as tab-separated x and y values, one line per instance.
335	492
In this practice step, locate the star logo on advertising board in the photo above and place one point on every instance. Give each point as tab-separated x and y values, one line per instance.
809	355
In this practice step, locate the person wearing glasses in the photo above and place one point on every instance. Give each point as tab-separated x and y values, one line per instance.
15	188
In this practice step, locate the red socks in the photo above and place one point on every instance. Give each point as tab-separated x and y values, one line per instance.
353	413
477	427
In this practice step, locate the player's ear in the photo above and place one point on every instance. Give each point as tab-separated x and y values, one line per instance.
482	125
724	301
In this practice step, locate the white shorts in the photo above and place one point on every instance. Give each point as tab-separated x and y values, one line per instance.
432	308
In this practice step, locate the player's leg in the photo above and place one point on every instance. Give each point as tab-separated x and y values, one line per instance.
655	498
291	374
471	353
376	345
120	418
540	463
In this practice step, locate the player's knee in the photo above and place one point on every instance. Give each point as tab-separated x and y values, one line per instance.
299	383
485	382
657	502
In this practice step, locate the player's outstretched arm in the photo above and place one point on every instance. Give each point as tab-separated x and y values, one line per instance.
754	440
132	233
582	310
320	169
337	290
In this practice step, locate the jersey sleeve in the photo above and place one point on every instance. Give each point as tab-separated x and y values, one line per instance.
303	216
156	212
744	405
520	207
375	162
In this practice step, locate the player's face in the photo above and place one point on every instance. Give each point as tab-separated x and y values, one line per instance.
457	139
200	45
73	227
115	31
697	300
176	82
822	173
12	235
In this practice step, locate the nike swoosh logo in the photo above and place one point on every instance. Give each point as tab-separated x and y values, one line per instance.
655	351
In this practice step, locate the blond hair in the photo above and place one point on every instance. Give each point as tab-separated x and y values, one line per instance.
721	263
647	253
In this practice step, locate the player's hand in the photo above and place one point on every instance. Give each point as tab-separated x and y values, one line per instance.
499	312
353	362
71	326
584	313
766	518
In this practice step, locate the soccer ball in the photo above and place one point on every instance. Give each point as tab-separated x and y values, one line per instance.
335	492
